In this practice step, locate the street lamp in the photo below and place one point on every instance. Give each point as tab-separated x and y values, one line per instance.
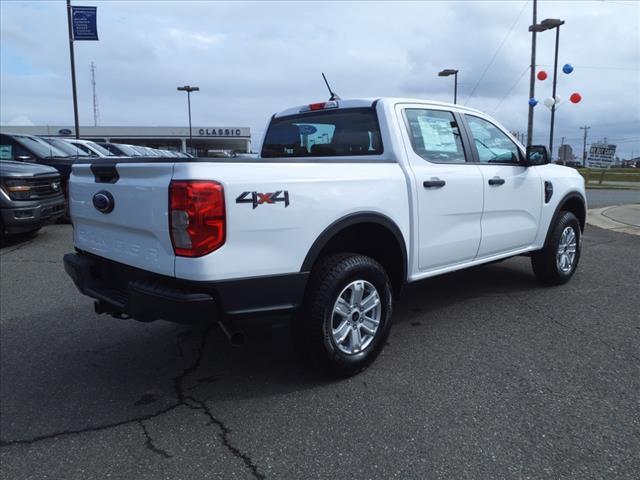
189	89
446	73
548	24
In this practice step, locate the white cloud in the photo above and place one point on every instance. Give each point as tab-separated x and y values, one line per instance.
20	120
252	59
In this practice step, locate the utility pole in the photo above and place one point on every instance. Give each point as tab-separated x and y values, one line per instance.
584	145
532	76
555	82
96	113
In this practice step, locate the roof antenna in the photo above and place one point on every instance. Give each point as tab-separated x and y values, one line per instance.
334	96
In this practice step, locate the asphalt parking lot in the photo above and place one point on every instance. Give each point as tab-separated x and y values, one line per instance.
486	375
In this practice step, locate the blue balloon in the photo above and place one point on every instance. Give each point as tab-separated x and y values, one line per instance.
533	102
567	68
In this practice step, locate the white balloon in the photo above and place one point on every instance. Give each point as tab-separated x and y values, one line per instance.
548	102
558	99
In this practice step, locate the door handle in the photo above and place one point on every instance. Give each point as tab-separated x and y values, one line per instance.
434	183
496	181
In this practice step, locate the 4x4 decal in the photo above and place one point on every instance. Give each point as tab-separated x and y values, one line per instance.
257	198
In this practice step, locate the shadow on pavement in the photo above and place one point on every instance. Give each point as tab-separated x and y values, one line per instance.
269	365
137	369
7	241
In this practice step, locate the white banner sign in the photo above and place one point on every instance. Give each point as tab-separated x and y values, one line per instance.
601	155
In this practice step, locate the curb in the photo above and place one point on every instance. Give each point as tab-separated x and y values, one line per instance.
598	218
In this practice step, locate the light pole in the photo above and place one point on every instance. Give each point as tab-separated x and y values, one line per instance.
73	71
446	73
189	89
548	24
532	76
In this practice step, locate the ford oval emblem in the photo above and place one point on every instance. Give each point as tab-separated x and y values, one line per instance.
103	201
65	131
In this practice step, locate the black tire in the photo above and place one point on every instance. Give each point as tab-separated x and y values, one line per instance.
544	262
314	324
65	218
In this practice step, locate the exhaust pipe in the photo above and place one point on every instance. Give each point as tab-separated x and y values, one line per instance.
235	336
101	307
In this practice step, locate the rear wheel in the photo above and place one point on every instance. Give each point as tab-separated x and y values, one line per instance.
346	318
556	263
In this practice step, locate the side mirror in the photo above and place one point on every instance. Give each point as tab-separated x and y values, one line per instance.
537	155
25	158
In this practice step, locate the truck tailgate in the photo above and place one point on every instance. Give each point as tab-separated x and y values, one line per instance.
136	231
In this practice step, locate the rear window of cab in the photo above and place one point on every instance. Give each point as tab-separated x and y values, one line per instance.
326	133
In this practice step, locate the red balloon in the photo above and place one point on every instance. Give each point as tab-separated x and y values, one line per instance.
542	75
575	97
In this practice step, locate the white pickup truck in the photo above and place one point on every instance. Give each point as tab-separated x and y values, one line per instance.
347	201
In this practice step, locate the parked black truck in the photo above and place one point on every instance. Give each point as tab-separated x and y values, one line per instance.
30	197
27	148
32	149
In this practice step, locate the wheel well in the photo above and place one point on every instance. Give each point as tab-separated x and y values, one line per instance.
575	205
373	240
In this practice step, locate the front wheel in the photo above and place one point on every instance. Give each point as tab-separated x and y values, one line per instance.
346	318
556	263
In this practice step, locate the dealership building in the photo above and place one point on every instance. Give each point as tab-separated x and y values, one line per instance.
206	140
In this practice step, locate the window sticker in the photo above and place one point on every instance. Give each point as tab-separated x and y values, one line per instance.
6	152
437	134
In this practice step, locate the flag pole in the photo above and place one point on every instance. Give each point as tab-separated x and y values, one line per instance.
73	71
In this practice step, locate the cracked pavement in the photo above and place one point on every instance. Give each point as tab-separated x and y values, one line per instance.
486	375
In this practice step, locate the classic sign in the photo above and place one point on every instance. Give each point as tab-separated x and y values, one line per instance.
220	132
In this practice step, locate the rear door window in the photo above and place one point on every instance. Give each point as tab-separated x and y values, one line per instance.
435	135
65	147
328	133
85	149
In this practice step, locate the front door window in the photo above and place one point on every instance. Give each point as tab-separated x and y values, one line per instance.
493	145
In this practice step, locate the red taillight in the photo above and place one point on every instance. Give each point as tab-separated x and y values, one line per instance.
196	217
316	106
319	106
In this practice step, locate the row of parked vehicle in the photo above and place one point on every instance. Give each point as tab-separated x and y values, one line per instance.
34	173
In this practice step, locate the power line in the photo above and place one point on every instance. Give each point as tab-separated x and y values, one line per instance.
596	67
621	3
495	55
627	141
616	140
615	123
510	90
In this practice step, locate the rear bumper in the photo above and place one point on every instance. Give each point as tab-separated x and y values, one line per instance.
122	290
19	217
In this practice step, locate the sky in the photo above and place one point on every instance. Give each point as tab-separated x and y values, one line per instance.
253	59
